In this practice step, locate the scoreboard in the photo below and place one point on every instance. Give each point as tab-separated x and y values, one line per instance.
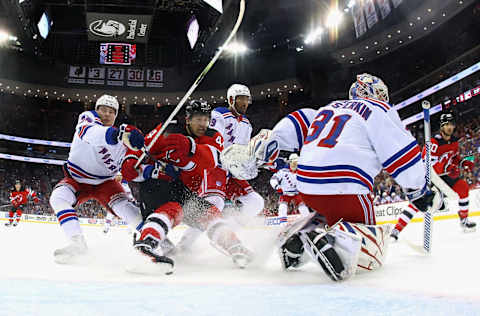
117	53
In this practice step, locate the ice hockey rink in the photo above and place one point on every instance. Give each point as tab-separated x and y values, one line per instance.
447	282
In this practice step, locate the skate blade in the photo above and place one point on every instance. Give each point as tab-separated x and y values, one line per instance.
151	268
469	230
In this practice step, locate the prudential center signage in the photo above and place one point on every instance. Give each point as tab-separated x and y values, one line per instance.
118	27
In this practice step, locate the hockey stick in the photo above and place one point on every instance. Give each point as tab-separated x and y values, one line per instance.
196	83
428	219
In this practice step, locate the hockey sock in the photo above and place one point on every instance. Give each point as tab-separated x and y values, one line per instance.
461	188
282	209
405	217
68	219
19	215
156	226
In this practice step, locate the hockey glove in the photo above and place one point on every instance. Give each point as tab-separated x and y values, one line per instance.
422	199
453	171
131	137
467	164
176	149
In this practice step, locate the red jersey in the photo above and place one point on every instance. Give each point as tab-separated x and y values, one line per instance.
213	141
444	153
202	156
19	198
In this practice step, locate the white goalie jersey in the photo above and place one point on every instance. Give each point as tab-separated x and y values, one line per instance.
291	130
350	142
92	160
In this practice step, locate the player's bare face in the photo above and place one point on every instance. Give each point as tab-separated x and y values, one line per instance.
198	124
241	104
107	115
448	129
293	165
18	186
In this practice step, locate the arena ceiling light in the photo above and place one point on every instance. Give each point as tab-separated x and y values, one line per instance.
334	18
313	36
237	48
3	36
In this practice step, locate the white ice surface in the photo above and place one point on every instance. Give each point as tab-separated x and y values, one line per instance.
207	283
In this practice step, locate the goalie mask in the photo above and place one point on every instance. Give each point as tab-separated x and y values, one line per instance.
368	86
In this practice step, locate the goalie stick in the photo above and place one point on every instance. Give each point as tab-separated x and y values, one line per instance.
428	219
195	84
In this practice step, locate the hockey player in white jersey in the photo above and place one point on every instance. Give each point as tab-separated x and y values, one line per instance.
348	144
284	182
235	128
95	157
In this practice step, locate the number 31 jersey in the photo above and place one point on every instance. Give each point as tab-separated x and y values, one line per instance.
348	144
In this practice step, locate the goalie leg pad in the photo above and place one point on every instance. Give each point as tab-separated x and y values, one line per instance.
374	243
292	253
319	245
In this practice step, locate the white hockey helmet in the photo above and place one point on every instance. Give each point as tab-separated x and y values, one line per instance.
368	86
236	90
293	157
107	100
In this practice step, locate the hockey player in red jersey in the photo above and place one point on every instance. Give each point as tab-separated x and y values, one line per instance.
163	197
19	197
447	163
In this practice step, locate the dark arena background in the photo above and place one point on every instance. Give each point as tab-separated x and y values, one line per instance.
58	57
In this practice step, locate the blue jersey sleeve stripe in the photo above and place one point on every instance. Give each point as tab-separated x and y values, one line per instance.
408	165
297	129
399	154
304	118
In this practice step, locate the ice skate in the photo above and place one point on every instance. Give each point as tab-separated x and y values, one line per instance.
467	225
8	224
69	254
241	256
150	248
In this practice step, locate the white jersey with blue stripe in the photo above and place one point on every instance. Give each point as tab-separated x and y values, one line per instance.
291	130
91	159
286	180
235	130
349	142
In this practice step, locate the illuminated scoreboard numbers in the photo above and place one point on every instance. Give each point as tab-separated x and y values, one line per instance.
135	75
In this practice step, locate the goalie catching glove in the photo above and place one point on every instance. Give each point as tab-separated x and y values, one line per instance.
239	162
